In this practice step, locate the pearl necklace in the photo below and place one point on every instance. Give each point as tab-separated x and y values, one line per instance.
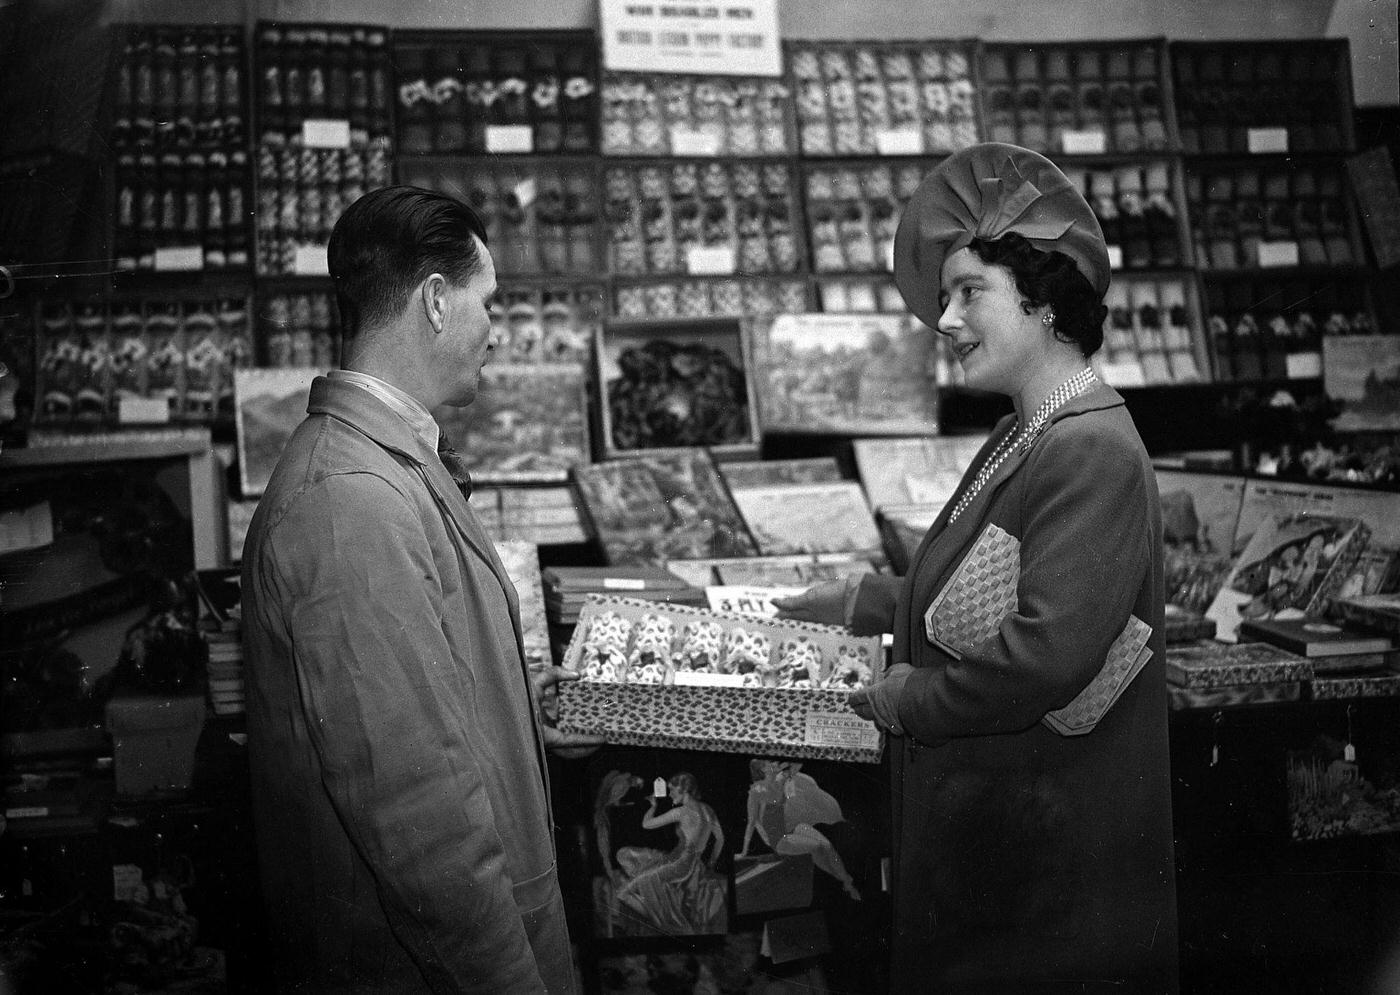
1022	440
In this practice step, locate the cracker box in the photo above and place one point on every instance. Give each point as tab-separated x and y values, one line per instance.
674	676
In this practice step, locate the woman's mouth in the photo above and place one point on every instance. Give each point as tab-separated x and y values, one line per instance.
965	350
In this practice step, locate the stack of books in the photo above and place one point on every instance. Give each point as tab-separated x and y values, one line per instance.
1184	625
1210	674
1347	662
566	588
221	626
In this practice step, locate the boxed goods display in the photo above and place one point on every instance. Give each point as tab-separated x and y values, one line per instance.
649	114
680	677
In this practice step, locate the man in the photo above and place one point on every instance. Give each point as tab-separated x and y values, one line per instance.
400	794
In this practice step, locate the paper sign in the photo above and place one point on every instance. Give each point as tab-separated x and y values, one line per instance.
842	729
179	258
710	260
1084	143
143	410
1303	365
899	141
325	133
1115	257
1278	254
745	600
713	37
1264	140
507	138
1128	374
310	260
689	141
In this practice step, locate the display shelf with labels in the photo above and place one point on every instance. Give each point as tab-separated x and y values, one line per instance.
654	114
1153	333
298	328
547	321
852	210
483	92
708	297
1140	205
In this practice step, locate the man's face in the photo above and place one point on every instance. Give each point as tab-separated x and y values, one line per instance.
468	336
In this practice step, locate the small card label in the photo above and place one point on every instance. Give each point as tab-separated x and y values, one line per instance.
691	141
27	812
710	260
143	410
310	260
179	258
899	141
623	584
840	729
1124	374
1278	254
325	133
1265	140
526	191
1303	365
1115	257
509	138
1084	142
701	679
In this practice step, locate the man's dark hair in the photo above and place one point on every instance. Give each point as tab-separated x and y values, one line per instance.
1050	278
388	241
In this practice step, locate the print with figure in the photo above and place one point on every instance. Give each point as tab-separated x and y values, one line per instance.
785	807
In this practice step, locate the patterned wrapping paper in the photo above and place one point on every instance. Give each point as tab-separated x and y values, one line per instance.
1184	699
1209	664
1376	611
1384	684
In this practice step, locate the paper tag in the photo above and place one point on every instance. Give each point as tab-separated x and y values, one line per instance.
690	141
325	133
623	584
899	141
143	410
526	191
1084	142
1303	365
840	729
1127	374
701	679
310	260
126	882
1115	257
510	138
1263	140
710	260
1278	254
179	258
1349	753
658	788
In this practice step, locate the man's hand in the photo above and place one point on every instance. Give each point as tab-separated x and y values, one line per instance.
823	603
880	702
569	745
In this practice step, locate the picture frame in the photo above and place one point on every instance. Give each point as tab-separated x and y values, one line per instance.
914	471
268	406
809	518
1363	373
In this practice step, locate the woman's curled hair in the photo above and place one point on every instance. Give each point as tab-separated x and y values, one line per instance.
1050	278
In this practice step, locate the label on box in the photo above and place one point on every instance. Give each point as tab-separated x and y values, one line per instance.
1093	142
1263	140
899	141
310	260
510	138
1115	256
143	410
623	584
710	260
27	812
840	729
690	141
1303	365
126	882
526	191
179	258
325	133
701	679
1278	254
1125	374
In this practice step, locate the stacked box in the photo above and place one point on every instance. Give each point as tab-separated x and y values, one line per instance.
853	210
1151	335
648	114
300	330
719	297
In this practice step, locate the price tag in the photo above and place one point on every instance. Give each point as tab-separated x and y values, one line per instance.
1115	257
310	260
690	141
840	729
179	258
1124	374
623	584
1264	140
325	133
509	138
1303	365
710	260
1084	142
1278	254
143	410
659	788
899	141
526	191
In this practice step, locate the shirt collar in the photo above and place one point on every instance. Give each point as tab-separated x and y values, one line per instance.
407	407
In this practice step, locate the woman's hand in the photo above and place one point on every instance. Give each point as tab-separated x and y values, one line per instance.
823	603
880	702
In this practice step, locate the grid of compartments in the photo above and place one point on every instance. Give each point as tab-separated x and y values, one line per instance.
95	355
547	323
646	114
868	98
325	135
709	298
852	210
1148	336
299	329
1138	205
179	134
473	93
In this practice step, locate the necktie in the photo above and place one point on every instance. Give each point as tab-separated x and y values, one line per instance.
456	467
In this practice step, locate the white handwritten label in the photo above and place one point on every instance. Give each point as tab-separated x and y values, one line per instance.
690	141
508	138
1303	365
1115	257
179	258
899	141
143	410
1093	142
623	584
1278	254
1266	140
325	133
840	729
310	260
710	260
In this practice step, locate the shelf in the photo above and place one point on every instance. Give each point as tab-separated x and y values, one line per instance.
107	447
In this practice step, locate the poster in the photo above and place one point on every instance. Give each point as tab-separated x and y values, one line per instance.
270	404
715	37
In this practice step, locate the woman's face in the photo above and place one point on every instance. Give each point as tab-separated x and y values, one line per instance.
999	346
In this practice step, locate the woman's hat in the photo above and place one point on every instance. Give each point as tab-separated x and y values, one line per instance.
985	192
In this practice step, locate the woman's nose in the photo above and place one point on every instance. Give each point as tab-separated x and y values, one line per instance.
949	320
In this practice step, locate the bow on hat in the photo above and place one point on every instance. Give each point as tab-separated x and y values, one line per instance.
999	203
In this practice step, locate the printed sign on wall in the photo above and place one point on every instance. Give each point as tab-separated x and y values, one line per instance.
713	37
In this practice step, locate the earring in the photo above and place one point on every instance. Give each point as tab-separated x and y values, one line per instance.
1048	319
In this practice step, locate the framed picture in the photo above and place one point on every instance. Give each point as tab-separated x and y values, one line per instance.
846	374
775	473
1200	513
671	384
528	424
1363	373
809	518
923	471
665	505
269	405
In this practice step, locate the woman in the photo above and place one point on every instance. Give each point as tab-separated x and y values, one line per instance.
1025	860
785	806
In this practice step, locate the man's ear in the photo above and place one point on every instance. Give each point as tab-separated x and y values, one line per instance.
433	298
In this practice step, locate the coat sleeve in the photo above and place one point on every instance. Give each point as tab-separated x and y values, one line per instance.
873	610
1084	556
388	709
